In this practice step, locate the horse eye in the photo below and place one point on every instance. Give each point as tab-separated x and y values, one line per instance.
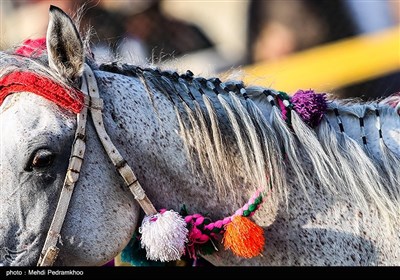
42	158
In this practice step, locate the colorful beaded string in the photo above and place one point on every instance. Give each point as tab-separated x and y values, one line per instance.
202	229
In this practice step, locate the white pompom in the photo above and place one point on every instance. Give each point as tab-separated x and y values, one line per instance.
164	236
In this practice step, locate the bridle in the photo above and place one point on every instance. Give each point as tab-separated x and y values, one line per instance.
93	104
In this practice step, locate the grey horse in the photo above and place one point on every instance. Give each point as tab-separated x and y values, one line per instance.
332	189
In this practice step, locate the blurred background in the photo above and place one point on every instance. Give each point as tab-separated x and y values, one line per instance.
350	48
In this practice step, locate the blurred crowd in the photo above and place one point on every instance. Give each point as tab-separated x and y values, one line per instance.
206	37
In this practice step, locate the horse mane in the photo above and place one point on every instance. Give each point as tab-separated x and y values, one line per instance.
271	153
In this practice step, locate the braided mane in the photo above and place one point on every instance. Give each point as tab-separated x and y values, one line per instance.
273	152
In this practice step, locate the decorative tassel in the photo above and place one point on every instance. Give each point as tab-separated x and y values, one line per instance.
164	236
244	237
310	106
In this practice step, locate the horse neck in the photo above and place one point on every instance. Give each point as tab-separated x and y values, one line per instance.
200	143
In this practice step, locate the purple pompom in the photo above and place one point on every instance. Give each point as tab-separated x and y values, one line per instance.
310	106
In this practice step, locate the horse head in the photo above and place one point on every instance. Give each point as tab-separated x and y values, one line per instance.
36	141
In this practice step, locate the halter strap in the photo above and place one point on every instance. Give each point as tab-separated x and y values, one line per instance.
95	104
50	250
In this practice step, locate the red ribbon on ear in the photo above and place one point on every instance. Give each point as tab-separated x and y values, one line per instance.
70	99
32	47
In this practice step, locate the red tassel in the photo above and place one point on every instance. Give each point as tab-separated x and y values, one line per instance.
244	237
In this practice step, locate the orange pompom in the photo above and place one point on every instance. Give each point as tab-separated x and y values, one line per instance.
244	237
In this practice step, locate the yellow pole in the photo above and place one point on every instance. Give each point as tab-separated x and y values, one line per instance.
331	66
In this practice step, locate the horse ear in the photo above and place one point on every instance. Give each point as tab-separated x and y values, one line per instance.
64	45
